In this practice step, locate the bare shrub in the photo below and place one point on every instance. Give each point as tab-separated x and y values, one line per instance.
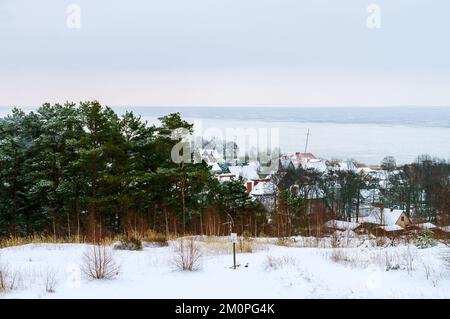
409	257
273	263
98	263
427	268
187	254
390	262
335	240
339	256
310	242
50	280
9	280
381	241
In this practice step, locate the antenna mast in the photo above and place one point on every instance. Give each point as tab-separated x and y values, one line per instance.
307	140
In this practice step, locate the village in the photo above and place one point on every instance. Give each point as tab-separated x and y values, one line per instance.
369	217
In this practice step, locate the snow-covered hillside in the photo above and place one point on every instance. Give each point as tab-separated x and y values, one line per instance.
273	271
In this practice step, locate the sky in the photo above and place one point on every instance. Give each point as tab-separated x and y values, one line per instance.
225	52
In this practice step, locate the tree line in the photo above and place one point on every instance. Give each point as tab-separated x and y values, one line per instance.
308	198
83	171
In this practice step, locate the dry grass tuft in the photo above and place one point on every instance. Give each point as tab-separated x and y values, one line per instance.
245	245
154	237
12	241
9	280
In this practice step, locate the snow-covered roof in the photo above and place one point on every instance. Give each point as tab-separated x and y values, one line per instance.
263	188
341	224
365	170
247	172
391	228
388	217
426	226
315	164
285	162
304	156
215	167
344	166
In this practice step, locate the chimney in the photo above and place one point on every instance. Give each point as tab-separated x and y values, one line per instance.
249	186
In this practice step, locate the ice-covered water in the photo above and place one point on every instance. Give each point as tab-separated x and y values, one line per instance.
364	134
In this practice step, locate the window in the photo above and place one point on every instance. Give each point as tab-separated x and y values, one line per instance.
403	218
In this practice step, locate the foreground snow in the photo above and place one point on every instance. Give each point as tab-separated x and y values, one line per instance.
272	272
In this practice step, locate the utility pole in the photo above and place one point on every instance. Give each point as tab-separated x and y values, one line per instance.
307	140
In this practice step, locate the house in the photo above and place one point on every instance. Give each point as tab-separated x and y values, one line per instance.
247	172
215	168
387	220
250	184
316	164
304	157
264	191
294	161
385	217
389	230
225	177
345	166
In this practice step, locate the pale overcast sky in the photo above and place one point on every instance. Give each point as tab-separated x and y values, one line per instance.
226	52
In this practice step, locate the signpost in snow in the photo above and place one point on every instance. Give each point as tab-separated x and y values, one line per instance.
234	238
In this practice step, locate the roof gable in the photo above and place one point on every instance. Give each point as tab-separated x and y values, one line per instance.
386	217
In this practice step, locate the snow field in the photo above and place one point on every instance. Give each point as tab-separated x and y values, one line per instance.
298	268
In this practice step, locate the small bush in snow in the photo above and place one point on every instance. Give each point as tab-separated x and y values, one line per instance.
339	256
425	240
50	281
409	257
187	254
9	280
98	263
381	241
390	262
273	263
